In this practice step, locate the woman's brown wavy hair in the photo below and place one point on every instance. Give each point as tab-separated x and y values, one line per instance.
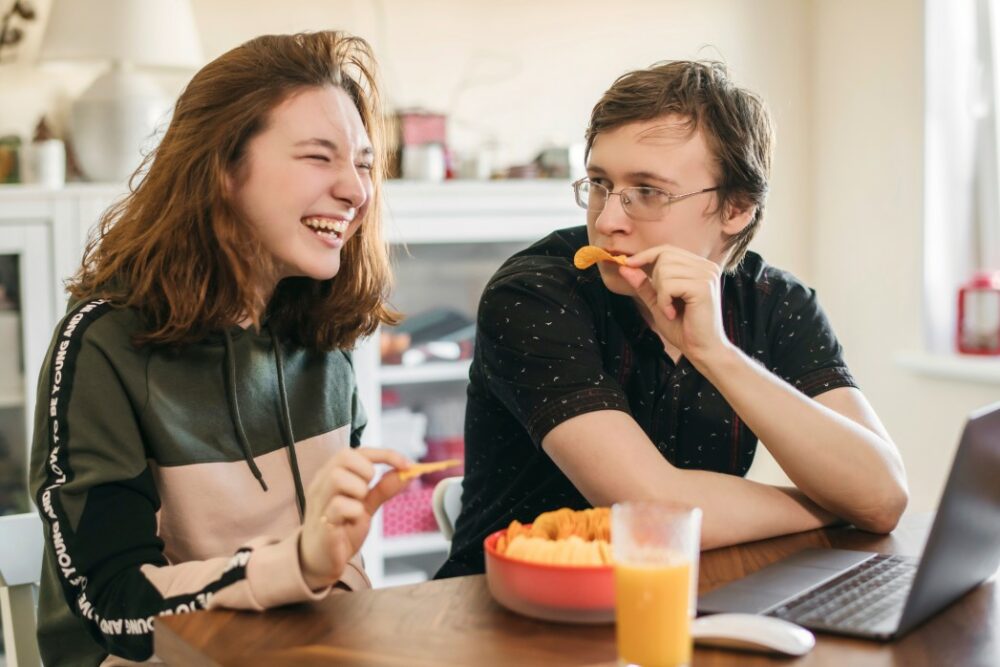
175	249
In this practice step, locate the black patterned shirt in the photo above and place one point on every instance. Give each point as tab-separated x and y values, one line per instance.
553	342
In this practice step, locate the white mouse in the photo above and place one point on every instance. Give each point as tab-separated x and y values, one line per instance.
752	632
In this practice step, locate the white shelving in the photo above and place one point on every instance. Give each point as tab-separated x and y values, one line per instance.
478	211
396	575
413	544
458	217
11	398
438	371
49	228
952	366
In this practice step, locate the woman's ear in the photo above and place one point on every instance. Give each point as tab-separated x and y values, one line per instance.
228	184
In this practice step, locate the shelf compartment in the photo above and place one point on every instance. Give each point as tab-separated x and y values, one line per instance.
436	371
414	544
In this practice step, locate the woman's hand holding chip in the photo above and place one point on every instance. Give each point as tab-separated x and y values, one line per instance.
339	508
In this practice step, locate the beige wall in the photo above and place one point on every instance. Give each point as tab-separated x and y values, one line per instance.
844	80
524	73
867	178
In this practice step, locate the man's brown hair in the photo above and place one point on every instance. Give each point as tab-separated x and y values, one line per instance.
175	248
735	122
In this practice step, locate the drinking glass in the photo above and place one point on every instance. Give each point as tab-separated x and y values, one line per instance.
655	548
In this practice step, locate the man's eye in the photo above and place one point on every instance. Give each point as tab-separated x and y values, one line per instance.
649	194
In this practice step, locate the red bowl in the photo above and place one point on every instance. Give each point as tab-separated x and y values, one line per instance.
566	593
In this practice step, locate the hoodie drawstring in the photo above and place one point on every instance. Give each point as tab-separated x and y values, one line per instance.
234	410
286	424
286	420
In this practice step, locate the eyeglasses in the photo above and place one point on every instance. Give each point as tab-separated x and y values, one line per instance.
642	203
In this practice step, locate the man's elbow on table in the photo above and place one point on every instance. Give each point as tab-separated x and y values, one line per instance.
882	513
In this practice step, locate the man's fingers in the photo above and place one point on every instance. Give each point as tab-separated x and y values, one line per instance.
639	282
644	257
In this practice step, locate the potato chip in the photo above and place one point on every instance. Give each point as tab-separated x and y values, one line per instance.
604	549
561	537
424	468
589	255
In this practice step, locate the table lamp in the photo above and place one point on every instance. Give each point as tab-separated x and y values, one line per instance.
115	119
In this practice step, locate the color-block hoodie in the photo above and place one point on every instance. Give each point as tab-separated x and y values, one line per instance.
171	480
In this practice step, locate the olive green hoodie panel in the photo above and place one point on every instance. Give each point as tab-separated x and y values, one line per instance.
318	391
110	418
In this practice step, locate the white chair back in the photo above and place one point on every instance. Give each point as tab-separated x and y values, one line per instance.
21	548
447	502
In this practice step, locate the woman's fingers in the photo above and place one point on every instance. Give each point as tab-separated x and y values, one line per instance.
387	456
358	462
343	510
387	487
344	482
349	473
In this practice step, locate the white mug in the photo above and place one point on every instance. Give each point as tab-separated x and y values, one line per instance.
424	162
49	162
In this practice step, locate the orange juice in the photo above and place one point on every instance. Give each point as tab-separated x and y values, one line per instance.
651	614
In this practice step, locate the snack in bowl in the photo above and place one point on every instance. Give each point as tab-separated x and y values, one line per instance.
557	568
589	255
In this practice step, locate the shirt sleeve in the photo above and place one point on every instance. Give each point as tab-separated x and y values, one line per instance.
804	350
539	348
98	503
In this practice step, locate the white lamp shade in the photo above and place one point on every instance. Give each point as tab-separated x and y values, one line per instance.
156	33
115	122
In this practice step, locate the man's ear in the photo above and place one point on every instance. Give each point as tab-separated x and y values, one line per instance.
737	217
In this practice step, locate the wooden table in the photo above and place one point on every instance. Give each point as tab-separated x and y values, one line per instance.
457	622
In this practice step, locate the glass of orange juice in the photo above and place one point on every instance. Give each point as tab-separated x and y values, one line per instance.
655	548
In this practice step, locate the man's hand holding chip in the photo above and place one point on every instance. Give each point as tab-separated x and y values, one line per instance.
681	293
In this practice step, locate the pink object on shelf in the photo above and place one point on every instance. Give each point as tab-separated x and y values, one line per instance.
409	512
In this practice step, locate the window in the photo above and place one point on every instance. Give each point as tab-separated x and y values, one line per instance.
962	177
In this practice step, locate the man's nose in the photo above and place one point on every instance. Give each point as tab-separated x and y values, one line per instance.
613	218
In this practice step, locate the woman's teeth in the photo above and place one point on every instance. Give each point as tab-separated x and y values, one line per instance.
326	226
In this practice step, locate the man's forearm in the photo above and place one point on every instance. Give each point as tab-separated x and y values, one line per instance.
737	510
850	468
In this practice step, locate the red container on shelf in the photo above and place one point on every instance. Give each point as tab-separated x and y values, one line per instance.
978	325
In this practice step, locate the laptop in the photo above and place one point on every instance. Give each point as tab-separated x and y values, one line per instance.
880	596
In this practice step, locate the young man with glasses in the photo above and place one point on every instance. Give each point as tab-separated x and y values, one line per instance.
654	380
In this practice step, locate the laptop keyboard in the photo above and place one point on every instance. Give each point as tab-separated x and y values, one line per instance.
858	599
